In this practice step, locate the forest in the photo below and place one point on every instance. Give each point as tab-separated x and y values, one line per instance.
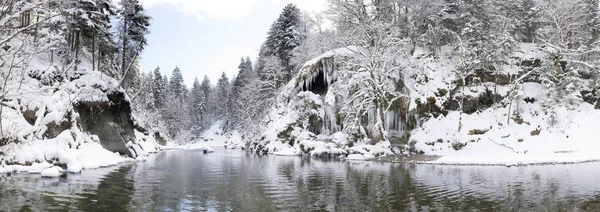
368	77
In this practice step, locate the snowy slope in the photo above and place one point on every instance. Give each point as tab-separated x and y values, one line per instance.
214	136
571	139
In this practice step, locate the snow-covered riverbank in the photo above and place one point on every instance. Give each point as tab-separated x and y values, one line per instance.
566	134
57	152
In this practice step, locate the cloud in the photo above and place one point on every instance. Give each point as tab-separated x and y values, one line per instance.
230	10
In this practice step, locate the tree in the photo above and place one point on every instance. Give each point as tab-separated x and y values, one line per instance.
158	89
374	69
271	78
571	46
284	36
197	102
220	97
21	38
592	20
144	99
528	19
206	89
88	25
237	100
133	27
176	110
177	86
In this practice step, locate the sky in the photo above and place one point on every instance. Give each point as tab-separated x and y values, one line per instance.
209	37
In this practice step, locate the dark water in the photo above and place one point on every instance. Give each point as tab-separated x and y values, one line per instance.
233	180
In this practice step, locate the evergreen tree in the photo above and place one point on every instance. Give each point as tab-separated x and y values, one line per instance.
236	100
476	38
133	27
158	89
284	36
197	104
221	96
87	24
145	95
177	86
206	90
592	20
529	20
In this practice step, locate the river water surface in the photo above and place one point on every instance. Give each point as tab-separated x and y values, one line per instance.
234	180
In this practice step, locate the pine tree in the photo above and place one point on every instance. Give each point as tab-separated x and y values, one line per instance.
592	20
158	89
236	100
104	39
87	24
284	36
206	90
197	104
133	27
530	21
475	45
177	86
146	94
220	97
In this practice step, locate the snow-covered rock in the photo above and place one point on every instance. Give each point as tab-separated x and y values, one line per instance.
51	172
74	167
68	115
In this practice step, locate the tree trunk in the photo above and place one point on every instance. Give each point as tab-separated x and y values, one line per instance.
511	99
94	52
35	35
124	39
462	103
76	50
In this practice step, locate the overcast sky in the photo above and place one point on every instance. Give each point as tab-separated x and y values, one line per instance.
207	37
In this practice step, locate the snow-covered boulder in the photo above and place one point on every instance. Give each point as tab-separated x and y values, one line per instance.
51	172
74	167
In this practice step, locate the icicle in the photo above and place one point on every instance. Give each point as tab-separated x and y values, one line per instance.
325	77
307	85
417	119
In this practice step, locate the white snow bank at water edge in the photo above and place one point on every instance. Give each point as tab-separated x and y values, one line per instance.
290	151
83	152
195	146
330	146
536	136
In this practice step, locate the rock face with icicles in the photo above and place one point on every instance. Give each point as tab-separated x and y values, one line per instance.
309	109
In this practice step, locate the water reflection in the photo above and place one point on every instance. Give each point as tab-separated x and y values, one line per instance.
113	193
233	180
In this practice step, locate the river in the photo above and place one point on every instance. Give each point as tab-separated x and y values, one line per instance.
235	180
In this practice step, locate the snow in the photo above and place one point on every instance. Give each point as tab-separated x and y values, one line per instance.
214	136
53	102
310	70
358	157
74	167
290	151
51	172
320	148
571	139
35	168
